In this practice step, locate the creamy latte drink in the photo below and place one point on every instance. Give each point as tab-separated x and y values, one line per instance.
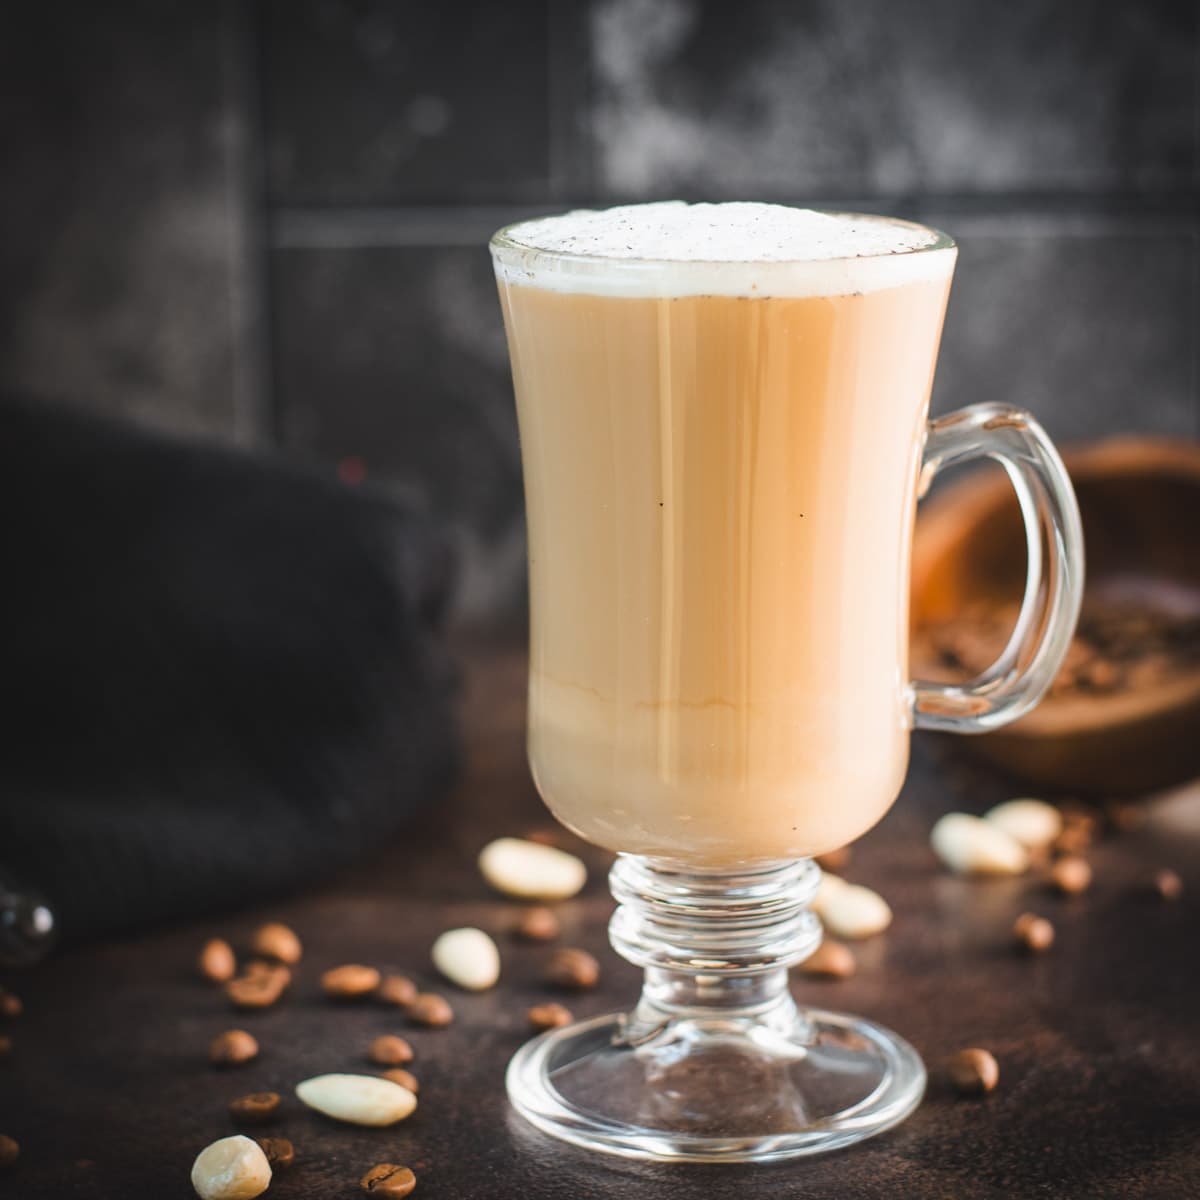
722	411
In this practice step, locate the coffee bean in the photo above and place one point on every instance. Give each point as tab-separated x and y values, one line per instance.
572	968
260	986
1168	884
10	1005
217	961
233	1047
1125	817
406	1079
549	1016
973	1072
1075	838
261	968
398	990
350	982
390	1051
428	1008
387	1179
279	1151
833	860
1033	933
831	960
538	924
10	1151
277	941
254	1109
5	1046
1071	875
1078	832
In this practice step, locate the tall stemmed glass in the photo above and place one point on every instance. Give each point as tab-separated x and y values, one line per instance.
722	463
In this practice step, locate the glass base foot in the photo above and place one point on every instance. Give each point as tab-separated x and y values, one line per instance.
717	1090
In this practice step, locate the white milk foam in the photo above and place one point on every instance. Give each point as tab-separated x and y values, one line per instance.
736	249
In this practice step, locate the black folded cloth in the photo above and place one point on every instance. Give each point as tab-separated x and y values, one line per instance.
225	674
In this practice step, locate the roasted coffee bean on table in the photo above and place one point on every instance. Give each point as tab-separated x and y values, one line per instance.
388	1179
831	960
1033	933
387	1050
572	968
217	961
278	941
973	1072
1071	875
430	1009
259	986
1168	884
233	1047
254	1109
398	990
350	982
406	1079
549	1016
538	924
279	1151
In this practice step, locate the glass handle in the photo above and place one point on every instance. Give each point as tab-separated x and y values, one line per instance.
1016	681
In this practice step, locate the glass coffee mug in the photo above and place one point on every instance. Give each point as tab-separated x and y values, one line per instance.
723	450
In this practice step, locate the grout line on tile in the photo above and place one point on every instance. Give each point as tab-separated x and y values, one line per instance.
299	227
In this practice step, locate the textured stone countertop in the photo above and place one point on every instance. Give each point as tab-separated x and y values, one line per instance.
110	1093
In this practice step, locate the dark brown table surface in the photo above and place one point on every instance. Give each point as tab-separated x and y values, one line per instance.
109	1090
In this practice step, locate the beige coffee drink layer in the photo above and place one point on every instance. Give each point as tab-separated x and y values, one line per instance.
722	410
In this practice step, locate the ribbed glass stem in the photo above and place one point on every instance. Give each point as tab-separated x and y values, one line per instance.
716	946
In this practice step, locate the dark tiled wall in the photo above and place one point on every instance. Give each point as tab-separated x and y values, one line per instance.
126	260
266	221
886	97
399	103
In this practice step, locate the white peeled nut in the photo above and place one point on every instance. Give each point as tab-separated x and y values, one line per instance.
530	870
830	883
852	911
971	846
467	957
235	1168
357	1099
1034	823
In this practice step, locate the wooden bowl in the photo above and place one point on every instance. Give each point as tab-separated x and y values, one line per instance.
1140	503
